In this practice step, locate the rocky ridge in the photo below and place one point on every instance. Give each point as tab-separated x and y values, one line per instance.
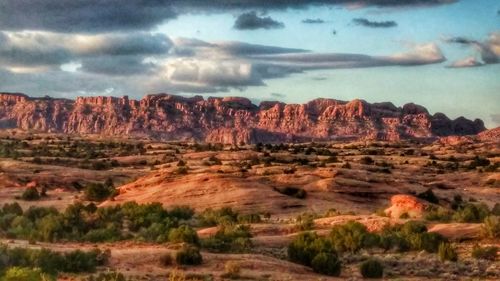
229	119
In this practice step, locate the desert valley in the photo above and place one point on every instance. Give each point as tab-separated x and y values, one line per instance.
399	193
251	140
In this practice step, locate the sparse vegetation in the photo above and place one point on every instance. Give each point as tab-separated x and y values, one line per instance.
447	252
487	253
30	194
188	255
371	268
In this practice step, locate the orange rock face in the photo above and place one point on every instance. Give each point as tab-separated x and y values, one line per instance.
405	204
229	119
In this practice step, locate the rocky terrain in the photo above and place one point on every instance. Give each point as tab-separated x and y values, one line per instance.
449	187
229	120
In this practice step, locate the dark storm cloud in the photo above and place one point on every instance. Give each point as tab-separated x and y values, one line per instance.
374	24
313	21
92	16
251	21
99	52
83	15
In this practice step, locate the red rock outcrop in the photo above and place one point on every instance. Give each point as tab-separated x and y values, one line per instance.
229	119
405	204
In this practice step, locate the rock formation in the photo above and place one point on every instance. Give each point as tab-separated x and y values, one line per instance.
229	119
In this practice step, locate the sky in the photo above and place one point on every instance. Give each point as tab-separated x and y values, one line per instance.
443	54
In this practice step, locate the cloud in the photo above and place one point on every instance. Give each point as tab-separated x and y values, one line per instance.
95	16
36	51
150	63
277	95
251	21
467	62
374	24
118	65
488	50
313	21
217	67
83	15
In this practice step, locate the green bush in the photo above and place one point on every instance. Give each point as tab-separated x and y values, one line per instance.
446	252
428	241
470	212
366	160
429	196
99	192
188	255
166	259
52	262
371	268
222	216
438	214
310	250
249	218
491	227
296	192
487	253
305	221
229	238
413	227
496	209
25	274
30	194
308	245
349	237
183	233
326	263
182	212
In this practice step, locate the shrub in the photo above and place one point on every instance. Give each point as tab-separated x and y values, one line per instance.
326	263
446	252
428	196
30	194
98	192
491	227
367	160
306	246
166	259
471	212
222	216
232	269
184	233
182	212
438	214
25	274
296	192
496	209
249	218
487	253
371	268
413	227
349	237
230	238
305	222
188	255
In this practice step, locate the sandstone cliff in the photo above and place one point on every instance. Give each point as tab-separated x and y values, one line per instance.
229	119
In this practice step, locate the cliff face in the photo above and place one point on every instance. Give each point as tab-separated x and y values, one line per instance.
228	120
